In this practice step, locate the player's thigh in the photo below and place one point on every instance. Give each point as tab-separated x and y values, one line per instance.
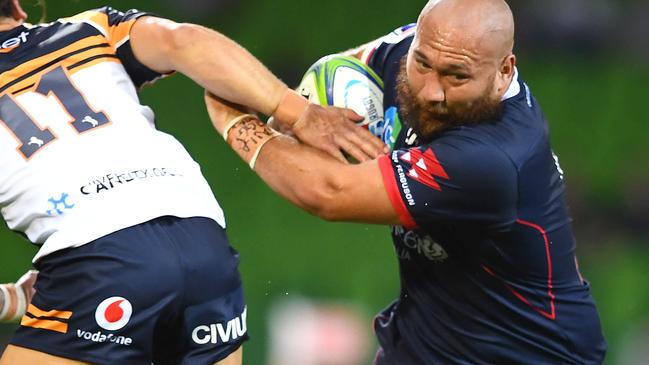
235	358
214	315
15	355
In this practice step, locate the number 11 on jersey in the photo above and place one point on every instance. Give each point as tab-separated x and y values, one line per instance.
30	135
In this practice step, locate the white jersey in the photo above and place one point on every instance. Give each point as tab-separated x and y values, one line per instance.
80	157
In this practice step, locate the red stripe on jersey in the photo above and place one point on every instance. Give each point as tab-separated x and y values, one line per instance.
391	186
552	314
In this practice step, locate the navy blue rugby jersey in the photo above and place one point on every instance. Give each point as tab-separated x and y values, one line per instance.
486	250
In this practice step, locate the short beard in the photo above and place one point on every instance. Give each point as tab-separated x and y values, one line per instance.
430	119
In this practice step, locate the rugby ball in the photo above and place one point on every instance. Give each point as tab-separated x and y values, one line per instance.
346	82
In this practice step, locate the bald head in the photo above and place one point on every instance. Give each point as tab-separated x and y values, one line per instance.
459	66
483	26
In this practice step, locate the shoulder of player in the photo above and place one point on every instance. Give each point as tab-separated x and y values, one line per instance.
398	40
522	130
104	18
468	152
520	105
517	135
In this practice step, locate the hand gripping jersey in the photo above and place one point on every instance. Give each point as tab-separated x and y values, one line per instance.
80	157
486	250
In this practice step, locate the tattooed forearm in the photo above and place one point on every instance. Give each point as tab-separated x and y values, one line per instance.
248	136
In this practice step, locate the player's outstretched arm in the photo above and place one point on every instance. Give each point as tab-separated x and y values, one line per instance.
305	176
226	69
14	298
209	58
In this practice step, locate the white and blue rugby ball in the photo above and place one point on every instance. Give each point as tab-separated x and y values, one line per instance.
346	82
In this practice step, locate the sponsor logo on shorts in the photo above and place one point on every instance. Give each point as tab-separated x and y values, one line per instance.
113	313
100	337
221	332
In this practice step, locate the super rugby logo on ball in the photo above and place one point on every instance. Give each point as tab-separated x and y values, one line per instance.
346	82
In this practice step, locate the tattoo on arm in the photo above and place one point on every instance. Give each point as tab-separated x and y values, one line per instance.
249	135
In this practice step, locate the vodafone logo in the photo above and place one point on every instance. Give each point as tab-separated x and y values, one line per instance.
113	313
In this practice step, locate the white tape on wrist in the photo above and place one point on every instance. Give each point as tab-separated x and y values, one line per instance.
22	304
253	160
234	121
6	301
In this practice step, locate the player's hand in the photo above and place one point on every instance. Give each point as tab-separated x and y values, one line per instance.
16	297
334	129
26	283
280	127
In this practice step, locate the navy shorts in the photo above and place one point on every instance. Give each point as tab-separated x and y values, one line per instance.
167	291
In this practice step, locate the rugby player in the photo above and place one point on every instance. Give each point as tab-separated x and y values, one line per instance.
134	263
472	190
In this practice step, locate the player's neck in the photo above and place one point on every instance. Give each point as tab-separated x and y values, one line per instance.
9	24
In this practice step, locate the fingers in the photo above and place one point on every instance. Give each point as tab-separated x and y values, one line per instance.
352	149
369	143
351	115
26	282
334	129
334	151
29	277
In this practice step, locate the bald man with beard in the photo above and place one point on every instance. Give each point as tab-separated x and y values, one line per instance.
473	192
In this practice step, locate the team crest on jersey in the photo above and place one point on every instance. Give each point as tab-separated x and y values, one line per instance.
424	167
413	243
411	138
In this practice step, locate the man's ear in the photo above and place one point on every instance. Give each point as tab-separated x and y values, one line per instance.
505	73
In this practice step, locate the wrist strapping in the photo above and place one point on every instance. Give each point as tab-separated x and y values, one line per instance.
6	302
234	121
15	302
291	107
251	138
22	304
253	160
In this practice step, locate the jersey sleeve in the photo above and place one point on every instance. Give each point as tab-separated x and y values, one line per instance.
446	181
116	26
386	52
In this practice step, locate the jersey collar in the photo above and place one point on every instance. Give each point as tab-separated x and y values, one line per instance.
514	87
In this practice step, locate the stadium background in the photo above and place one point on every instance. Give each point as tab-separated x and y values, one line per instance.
587	61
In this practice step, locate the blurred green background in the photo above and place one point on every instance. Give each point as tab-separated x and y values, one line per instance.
593	87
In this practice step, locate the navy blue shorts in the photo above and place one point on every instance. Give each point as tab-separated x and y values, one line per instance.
167	291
